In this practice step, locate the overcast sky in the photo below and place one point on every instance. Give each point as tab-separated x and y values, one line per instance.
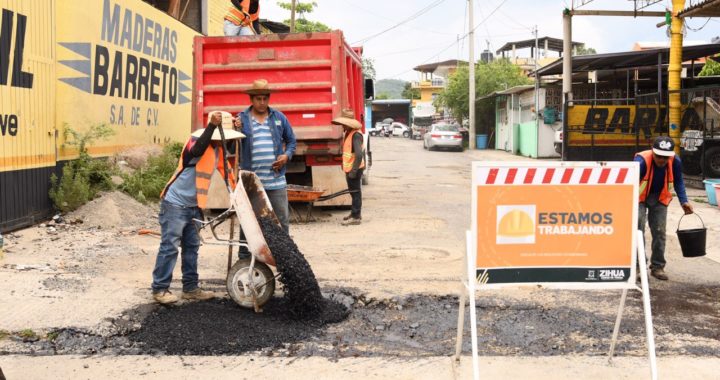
433	35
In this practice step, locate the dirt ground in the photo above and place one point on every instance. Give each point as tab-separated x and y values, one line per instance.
76	297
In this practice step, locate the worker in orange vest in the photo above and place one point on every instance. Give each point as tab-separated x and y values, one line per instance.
660	170
181	201
353	163
243	18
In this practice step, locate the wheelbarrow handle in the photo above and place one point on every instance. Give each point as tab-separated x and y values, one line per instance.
695	213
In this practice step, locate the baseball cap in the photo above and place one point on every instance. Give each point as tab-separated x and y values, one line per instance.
664	146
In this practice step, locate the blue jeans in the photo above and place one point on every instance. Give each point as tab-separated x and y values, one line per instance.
177	230
656	215
231	29
279	202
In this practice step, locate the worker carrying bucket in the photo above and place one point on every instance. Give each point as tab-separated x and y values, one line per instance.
181	201
660	170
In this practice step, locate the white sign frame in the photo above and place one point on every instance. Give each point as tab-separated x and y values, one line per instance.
472	280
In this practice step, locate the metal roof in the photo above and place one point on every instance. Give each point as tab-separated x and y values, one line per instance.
431	67
707	8
516	89
392	101
554	44
628	59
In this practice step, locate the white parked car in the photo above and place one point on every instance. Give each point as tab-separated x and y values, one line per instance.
400	129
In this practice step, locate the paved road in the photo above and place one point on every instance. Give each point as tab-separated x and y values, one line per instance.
416	212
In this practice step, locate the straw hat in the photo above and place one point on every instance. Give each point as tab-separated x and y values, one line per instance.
227	124
347	119
259	87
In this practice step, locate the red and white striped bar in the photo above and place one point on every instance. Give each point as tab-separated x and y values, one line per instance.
541	175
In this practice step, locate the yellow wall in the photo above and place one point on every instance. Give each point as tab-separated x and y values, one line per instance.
27	130
216	16
124	64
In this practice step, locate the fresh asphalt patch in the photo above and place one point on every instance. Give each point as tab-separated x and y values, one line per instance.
553	323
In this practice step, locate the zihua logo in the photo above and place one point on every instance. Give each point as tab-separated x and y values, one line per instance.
612	274
665	144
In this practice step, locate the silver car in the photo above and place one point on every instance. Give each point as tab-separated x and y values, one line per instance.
443	135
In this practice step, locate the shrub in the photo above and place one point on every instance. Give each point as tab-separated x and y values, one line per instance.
83	177
147	182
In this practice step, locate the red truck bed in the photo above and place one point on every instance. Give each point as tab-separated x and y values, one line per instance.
314	76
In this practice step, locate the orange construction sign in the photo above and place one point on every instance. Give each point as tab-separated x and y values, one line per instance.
555	223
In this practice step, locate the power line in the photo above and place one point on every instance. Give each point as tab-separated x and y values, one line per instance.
464	36
389	19
412	17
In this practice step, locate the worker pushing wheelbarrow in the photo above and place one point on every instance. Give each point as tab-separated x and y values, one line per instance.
250	282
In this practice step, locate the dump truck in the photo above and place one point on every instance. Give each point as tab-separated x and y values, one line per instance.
701	144
314	76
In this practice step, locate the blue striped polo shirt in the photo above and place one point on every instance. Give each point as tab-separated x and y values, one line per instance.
263	156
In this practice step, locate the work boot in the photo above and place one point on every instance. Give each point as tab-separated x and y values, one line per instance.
198	294
164	297
659	273
347	217
351	221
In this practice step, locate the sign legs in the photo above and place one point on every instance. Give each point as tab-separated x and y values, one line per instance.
647	311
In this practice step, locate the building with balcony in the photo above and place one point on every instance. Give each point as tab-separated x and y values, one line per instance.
433	79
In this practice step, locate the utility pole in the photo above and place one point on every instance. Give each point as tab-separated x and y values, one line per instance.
567	58
674	70
471	38
537	83
292	16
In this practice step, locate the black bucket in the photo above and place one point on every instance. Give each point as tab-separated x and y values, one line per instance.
692	241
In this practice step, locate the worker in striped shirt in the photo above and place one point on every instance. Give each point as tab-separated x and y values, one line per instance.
268	147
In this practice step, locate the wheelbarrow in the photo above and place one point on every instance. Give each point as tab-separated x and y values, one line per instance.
250	282
309	195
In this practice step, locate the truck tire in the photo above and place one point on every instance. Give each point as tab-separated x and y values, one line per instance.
691	166
262	274
712	162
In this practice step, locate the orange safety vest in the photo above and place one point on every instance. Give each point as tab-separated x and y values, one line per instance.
203	173
239	17
646	182
348	156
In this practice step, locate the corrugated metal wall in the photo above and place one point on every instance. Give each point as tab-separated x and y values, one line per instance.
73	63
216	17
27	109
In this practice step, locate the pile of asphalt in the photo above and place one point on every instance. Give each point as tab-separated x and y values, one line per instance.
302	292
221	327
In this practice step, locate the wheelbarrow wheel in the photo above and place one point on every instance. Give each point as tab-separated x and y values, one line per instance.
237	281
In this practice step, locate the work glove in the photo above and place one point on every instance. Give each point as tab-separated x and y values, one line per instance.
352	174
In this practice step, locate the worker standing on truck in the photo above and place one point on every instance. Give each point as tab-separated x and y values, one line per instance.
182	199
269	146
659	170
243	18
353	163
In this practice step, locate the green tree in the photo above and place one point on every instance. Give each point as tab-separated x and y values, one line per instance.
582	50
489	77
382	96
303	25
369	68
712	67
410	93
